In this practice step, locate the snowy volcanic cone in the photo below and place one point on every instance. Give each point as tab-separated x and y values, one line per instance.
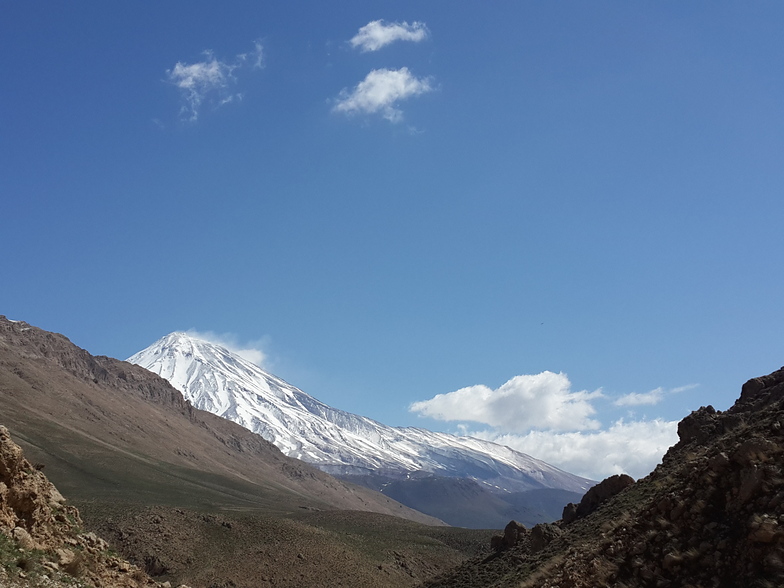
338	442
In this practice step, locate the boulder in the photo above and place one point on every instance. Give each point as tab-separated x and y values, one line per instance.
604	490
542	535
569	513
512	533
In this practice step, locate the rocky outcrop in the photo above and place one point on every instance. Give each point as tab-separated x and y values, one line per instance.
760	392
30	505
699	426
513	533
42	541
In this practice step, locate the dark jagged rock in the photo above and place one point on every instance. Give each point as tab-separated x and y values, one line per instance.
698	426
513	533
760	392
569	513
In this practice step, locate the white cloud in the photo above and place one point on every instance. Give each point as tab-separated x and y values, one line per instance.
636	398
542	401
634	448
209	80
200	80
377	34
380	91
251	351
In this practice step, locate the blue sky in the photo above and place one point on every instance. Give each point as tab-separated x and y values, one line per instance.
563	218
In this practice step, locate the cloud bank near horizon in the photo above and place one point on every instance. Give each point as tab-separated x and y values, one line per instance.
540	415
541	401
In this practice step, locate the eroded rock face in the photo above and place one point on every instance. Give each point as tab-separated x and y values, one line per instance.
47	543
569	513
760	392
512	533
603	491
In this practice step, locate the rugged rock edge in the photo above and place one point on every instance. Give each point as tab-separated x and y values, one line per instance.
42	539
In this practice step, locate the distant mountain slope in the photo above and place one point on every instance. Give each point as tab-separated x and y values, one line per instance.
465	503
393	460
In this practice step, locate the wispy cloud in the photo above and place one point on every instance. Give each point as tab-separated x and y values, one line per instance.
209	80
255	57
250	350
541	415
641	398
380	92
651	398
377	34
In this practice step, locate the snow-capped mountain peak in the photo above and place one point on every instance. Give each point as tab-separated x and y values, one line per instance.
219	381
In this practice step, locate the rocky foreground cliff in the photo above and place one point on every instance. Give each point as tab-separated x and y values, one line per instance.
42	540
711	515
